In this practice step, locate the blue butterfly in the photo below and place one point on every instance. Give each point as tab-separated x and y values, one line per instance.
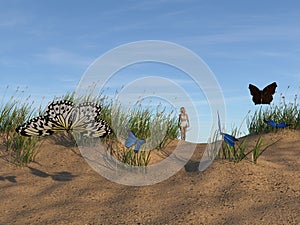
276	125
229	139
131	140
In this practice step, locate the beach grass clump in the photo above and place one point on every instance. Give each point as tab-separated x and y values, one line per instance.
153	124
243	150
283	112
141	158
17	149
156	126
234	153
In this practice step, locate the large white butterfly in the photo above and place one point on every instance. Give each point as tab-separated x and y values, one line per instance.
64	116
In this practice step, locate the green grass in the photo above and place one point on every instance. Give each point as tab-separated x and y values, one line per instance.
19	149
156	126
243	150
283	112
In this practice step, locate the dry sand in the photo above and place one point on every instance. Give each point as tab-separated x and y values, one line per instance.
61	188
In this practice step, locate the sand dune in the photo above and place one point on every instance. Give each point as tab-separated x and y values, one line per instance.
61	188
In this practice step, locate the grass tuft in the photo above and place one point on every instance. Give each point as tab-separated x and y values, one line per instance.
283	112
18	149
156	126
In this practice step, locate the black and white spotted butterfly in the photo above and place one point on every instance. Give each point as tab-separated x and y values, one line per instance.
64	116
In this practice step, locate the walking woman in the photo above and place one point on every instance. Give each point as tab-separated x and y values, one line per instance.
183	122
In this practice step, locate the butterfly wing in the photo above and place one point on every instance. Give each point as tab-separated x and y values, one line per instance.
57	116
103	129
59	113
62	115
98	128
84	116
87	111
138	145
267	93
85	119
229	139
256	94
282	125
131	139
39	126
271	123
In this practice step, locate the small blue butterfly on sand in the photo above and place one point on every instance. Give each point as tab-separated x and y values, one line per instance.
131	140
229	139
276	125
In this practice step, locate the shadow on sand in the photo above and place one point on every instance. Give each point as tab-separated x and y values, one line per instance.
58	176
11	179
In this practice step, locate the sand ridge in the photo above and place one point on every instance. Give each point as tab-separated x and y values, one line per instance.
61	188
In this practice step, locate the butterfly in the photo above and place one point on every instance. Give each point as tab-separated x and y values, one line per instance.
264	96
276	125
131	140
229	139
64	116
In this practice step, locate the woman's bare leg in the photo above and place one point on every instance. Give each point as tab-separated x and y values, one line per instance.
183	132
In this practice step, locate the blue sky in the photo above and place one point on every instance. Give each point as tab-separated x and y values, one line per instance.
48	45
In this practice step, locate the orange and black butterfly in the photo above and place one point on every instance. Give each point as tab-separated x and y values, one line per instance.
264	96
